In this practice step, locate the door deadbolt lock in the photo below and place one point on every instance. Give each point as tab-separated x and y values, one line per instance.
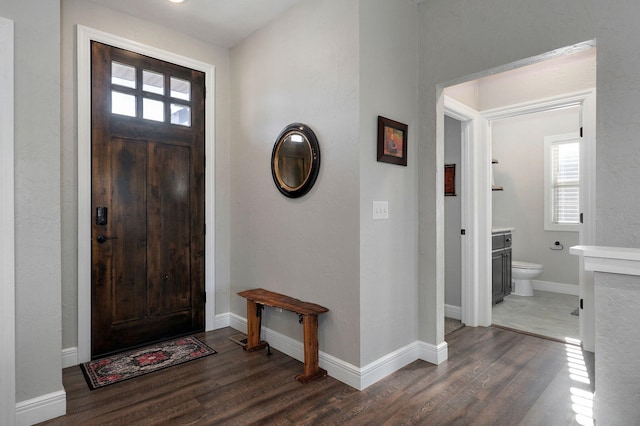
101	216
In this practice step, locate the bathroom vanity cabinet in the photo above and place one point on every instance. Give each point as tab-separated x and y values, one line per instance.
501	265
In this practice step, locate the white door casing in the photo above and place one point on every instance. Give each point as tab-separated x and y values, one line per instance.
7	228
475	220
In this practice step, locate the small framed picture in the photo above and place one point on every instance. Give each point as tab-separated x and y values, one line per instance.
449	179
392	141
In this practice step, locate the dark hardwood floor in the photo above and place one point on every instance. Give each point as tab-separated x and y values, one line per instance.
492	377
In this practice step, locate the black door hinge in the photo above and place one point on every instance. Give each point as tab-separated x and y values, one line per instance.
581	303
581	131
204	297
463	232
581	217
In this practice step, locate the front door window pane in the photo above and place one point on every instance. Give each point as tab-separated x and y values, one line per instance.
152	109
181	115
153	82
123	75
123	104
180	89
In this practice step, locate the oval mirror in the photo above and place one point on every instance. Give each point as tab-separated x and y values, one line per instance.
295	160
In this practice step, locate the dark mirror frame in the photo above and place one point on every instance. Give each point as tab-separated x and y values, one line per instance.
306	132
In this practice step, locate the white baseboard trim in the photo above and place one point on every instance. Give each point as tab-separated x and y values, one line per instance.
237	322
221	321
451	311
279	341
44	407
552	287
356	377
70	357
432	353
388	364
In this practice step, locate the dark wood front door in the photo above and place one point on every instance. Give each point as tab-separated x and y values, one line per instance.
147	248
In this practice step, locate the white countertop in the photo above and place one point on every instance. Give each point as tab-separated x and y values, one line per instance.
503	229
615	260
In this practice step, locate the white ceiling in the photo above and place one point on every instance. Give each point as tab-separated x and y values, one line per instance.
221	22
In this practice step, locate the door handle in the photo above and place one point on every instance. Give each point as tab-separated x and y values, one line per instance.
103	238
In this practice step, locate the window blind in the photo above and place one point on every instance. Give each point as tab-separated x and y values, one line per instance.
566	182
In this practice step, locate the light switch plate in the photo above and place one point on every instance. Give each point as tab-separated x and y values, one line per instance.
380	210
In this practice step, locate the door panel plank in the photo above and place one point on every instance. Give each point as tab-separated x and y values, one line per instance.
128	206
169	218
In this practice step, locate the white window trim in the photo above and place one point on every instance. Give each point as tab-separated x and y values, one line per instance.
549	225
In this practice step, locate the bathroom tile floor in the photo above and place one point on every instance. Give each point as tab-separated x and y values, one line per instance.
545	313
451	325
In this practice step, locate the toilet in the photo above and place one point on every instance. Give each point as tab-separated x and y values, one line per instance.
522	273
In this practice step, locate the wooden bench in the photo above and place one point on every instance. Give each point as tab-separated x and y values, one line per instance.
307	312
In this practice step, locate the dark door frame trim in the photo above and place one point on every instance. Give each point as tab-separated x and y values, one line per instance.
84	37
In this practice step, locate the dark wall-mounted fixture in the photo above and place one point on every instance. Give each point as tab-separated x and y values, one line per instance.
495	187
392	141
450	179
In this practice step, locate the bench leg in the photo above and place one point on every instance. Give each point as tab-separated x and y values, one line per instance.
311	368
254	321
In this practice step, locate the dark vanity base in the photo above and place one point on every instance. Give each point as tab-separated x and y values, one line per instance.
501	266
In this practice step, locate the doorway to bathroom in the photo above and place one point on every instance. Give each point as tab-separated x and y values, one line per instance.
492	107
545	276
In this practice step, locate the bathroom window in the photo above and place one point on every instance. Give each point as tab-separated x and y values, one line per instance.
562	182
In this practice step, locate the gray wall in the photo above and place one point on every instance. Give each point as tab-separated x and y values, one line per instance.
302	68
37	196
388	248
460	38
325	247
518	145
453	216
78	12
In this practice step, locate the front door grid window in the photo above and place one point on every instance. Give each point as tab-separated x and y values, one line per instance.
150	95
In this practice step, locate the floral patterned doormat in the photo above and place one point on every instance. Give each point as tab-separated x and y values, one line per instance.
127	365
